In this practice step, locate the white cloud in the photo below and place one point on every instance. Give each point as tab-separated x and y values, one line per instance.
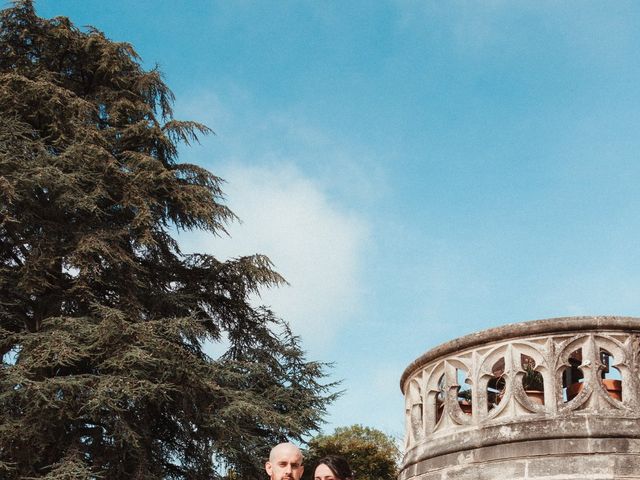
315	245
288	182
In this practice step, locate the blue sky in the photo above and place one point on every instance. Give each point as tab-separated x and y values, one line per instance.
417	170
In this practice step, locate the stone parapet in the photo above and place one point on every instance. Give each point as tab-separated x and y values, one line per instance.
532	400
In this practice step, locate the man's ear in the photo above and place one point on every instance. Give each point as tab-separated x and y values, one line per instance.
267	467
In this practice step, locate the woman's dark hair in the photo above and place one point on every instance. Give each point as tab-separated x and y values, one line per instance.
338	466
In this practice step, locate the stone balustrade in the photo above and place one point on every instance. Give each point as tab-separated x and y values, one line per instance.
531	385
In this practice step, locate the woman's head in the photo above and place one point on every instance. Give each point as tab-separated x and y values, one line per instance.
333	467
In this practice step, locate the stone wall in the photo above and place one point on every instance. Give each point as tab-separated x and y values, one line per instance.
552	399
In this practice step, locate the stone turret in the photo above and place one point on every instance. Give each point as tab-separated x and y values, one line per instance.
551	399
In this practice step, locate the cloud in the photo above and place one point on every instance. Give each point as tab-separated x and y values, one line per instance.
289	182
315	244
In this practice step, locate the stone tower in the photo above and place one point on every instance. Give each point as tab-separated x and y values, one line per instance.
546	400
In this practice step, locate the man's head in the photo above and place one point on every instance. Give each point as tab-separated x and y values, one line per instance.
285	462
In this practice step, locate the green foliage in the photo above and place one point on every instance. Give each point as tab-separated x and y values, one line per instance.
372	454
102	318
532	380
465	395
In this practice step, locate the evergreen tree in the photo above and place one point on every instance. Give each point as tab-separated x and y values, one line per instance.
102	318
372	454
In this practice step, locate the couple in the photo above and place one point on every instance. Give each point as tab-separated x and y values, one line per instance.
285	463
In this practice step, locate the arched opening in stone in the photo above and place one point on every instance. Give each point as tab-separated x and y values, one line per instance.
496	385
572	376
532	381
465	399
610	376
440	396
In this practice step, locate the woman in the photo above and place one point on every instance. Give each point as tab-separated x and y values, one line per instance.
333	467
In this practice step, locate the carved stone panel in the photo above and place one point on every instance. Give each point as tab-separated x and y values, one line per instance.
546	381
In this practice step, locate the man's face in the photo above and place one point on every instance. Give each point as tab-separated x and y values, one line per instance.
285	463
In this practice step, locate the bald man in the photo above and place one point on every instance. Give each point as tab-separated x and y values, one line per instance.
285	462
